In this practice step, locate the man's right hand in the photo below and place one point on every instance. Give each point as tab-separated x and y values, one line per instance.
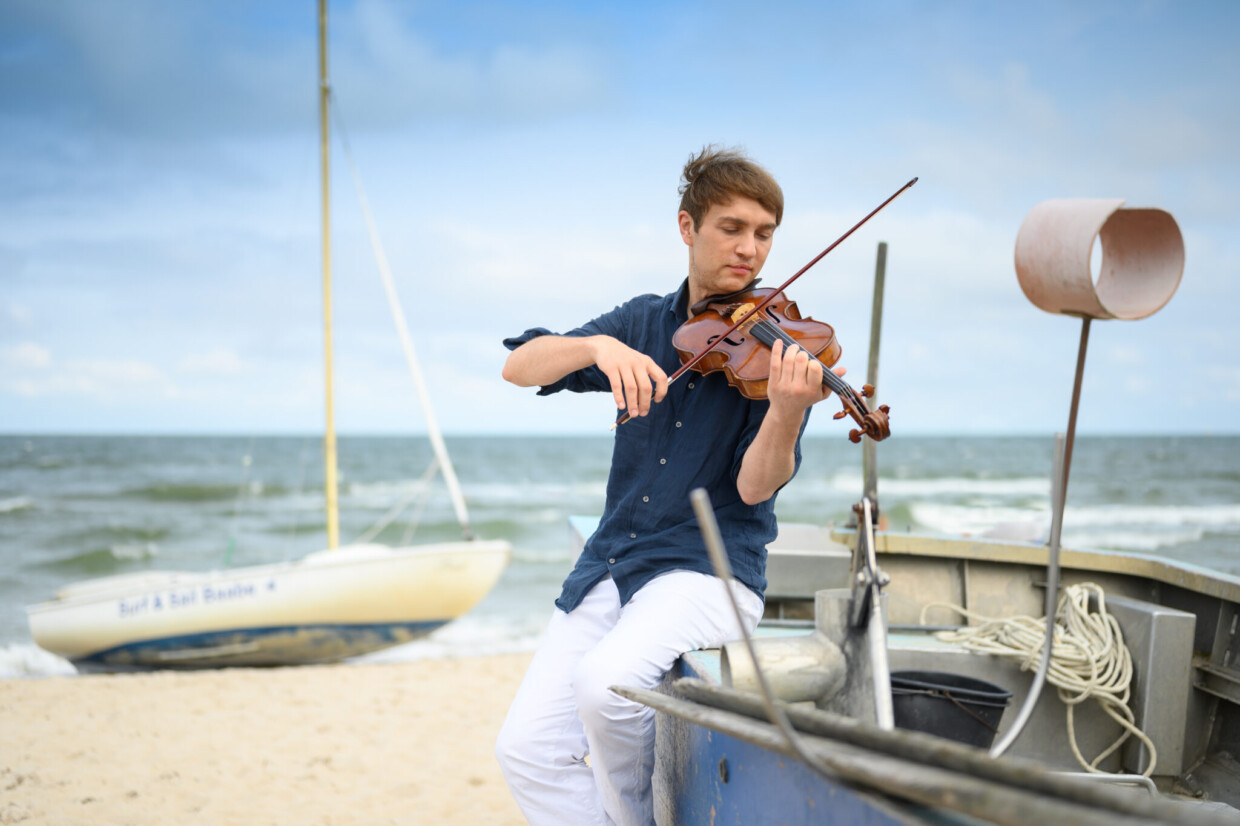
635	378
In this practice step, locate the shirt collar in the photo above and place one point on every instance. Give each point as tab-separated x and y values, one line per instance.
678	304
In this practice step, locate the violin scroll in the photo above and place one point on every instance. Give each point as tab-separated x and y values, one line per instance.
874	423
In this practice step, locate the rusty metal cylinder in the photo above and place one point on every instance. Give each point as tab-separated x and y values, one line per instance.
1142	258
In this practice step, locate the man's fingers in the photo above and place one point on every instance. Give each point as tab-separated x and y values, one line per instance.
636	386
641	381
617	388
632	392
815	372
800	362
796	374
660	381
652	382
777	361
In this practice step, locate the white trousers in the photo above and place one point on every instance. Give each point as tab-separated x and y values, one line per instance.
565	711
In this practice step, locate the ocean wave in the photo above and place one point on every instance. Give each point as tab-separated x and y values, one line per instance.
16	503
1217	517
1130	540
385	494
204	492
536	492
971	521
114	535
473	635
1127	527
529	494
29	660
1029	486
99	561
541	556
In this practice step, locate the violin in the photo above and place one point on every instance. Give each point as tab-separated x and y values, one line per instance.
712	340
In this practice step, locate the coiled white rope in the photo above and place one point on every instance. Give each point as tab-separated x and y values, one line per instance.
1088	658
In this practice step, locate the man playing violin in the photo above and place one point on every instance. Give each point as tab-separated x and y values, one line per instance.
643	592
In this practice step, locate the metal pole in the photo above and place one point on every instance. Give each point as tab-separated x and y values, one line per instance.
1052	603
876	626
869	448
1059	498
329	439
1076	401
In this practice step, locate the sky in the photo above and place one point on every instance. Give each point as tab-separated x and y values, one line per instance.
160	259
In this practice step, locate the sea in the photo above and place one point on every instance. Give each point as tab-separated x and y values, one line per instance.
78	507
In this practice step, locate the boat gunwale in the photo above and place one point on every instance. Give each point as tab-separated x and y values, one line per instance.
1180	574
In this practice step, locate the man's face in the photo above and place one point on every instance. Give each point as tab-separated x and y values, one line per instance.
729	249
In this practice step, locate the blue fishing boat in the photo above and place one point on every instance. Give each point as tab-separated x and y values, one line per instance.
925	679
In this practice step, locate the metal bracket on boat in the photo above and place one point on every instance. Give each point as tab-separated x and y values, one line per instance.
868	580
865	610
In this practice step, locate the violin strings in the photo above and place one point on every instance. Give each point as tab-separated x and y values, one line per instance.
767	332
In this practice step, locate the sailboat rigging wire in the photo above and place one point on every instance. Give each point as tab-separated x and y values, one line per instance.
418	492
244	486
402	330
412	526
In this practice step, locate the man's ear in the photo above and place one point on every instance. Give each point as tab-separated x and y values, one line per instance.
686	227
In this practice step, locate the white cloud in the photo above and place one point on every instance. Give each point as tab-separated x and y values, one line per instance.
26	356
1126	355
19	314
1224	382
217	362
92	379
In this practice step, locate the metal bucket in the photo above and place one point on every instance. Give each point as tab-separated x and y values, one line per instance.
960	708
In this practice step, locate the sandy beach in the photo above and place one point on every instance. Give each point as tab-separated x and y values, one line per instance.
405	743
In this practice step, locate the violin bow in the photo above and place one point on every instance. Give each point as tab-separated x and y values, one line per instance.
761	304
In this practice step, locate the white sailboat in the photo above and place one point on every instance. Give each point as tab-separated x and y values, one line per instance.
332	604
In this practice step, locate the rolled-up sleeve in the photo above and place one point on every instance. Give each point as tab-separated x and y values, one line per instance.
616	324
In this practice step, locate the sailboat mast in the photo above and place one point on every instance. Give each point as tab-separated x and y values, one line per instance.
329	439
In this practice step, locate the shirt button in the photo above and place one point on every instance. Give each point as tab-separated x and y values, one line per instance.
645	498
632	536
663	461
690	385
678	424
611	561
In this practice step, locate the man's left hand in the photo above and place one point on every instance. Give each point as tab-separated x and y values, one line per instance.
796	379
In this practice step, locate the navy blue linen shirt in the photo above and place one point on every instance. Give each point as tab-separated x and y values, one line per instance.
695	437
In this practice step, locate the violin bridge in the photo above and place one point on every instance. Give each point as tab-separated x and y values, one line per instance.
740	310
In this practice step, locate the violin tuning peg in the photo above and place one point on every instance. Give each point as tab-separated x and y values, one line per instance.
854	436
841	414
867	390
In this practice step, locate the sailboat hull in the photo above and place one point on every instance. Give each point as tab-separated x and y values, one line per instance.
326	607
